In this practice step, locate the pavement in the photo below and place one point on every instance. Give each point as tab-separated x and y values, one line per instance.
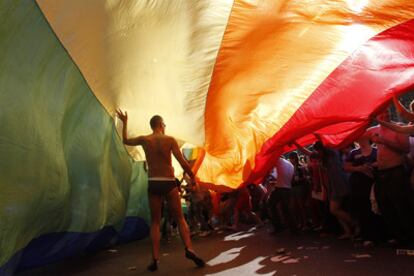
247	252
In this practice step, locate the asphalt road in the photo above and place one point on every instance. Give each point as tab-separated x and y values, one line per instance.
248	252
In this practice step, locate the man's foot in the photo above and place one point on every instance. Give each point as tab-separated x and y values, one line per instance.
153	266
192	256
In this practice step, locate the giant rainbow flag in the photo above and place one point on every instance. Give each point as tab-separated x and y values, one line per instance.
239	79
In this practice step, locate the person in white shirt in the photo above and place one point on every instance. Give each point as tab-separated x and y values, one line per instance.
281	194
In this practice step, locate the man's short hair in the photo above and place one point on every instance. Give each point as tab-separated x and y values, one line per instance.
294	155
155	121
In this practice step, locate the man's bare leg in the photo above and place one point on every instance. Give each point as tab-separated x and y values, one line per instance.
174	205
235	225
256	218
155	203
345	220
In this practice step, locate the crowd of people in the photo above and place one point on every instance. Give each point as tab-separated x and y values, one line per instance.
363	192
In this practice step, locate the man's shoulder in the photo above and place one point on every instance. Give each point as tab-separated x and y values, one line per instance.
169	139
164	139
153	136
145	137
283	163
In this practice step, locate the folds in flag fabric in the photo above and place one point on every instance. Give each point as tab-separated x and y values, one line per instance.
238	80
232	74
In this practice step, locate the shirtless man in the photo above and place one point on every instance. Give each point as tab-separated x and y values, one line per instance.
392	185
406	114
161	182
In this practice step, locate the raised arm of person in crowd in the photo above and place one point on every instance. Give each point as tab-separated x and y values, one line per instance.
407	129
398	146
402	110
302	149
364	168
128	141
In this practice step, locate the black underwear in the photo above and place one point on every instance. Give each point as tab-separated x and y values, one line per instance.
161	187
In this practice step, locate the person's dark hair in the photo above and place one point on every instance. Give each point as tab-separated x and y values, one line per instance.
155	121
318	146
294	155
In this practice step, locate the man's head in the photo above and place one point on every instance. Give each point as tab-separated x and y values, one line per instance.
157	123
293	157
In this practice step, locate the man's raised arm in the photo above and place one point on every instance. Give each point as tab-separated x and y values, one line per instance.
127	141
401	146
407	129
402	110
302	149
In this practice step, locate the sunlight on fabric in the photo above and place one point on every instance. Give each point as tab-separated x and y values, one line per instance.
127	55
357	5
250	268
226	256
354	36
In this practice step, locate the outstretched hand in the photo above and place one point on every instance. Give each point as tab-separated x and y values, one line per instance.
122	116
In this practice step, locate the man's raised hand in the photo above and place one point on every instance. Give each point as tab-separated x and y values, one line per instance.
122	116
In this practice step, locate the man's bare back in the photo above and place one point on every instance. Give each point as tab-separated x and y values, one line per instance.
158	149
